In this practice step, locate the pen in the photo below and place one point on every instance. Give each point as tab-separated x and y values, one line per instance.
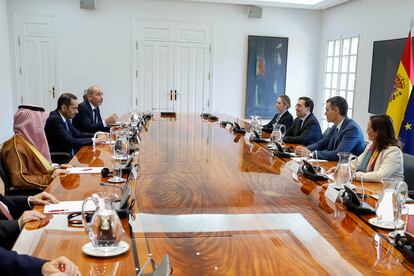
84	170
60	210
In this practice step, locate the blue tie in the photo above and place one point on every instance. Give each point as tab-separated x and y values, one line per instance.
336	137
67	128
66	125
95	114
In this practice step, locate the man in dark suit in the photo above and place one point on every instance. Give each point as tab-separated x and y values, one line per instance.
89	117
12	264
305	129
344	136
15	211
61	135
282	117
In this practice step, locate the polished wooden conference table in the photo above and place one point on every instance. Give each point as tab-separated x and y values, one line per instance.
217	205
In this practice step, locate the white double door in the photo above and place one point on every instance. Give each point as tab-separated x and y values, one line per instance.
173	67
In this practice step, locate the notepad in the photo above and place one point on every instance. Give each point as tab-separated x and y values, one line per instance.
81	170
68	207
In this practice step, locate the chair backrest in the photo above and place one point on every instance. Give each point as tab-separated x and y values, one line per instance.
3	174
2	185
409	170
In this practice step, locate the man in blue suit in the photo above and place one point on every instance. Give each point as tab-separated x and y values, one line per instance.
61	135
344	136
12	264
89	117
305	129
15	212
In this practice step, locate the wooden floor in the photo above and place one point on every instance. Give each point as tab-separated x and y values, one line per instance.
218	205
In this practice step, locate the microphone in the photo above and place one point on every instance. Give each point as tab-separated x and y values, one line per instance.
363	190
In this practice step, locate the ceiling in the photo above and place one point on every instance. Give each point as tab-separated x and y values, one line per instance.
302	4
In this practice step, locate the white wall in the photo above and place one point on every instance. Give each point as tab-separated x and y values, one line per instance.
372	20
6	107
95	46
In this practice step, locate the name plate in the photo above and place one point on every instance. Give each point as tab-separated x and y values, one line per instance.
331	193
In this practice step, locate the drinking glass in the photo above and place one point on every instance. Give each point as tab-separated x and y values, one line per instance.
120	154
279	132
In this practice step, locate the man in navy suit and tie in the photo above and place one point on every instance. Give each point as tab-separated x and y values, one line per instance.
89	117
61	135
15	211
344	136
305	129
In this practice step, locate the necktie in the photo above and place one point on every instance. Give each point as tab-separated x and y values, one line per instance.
336	136
3	209
67	125
95	115
301	124
67	128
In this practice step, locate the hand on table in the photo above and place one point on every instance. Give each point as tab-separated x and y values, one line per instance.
43	198
60	266
30	216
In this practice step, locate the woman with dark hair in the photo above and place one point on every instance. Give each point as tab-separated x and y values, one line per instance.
382	157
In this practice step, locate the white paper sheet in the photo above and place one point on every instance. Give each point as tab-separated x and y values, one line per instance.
80	170
68	207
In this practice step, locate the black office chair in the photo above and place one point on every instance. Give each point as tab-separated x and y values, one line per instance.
60	157
409	172
8	188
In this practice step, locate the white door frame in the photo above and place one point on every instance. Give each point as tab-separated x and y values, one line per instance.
134	48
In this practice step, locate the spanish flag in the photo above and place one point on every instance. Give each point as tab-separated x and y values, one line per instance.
403	84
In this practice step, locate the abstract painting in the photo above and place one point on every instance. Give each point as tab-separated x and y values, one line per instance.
266	74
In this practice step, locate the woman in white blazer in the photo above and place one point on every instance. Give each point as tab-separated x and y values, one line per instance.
382	157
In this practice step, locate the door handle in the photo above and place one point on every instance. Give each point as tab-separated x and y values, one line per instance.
170	94
53	92
175	95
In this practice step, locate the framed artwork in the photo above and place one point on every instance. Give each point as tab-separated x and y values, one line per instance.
266	74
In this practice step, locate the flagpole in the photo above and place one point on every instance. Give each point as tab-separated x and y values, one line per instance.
411	24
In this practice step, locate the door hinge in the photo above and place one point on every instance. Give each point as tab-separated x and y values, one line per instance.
18	40
136	101
21	99
208	103
20	71
209	48
136	73
209	76
136	45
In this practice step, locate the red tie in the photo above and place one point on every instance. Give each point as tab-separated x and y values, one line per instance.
5	212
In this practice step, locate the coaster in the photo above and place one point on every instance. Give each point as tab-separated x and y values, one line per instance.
90	250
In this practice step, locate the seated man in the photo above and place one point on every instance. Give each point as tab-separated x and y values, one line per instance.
26	155
305	129
344	136
282	117
61	135
89	117
15	211
12	264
